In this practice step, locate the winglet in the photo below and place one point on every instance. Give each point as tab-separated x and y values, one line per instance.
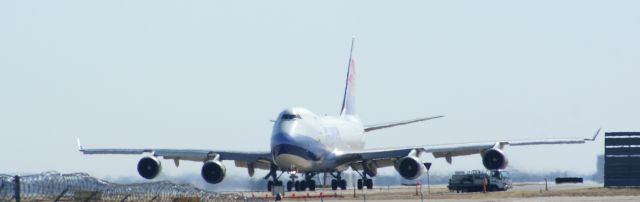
594	136
80	148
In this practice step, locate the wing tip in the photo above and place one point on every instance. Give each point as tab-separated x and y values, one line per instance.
80	147
595	135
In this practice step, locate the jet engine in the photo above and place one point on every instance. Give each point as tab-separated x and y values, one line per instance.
409	167
149	167
493	159
213	171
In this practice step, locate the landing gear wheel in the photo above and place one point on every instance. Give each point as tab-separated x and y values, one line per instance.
343	184
303	185
334	184
359	184
368	183
312	185
289	185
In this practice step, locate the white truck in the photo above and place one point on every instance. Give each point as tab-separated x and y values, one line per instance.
476	180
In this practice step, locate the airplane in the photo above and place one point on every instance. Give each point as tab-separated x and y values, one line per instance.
308	144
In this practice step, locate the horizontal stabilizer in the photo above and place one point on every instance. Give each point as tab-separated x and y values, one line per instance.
398	123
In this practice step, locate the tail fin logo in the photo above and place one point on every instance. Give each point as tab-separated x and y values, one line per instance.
348	101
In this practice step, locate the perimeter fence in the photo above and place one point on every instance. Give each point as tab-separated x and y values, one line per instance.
53	186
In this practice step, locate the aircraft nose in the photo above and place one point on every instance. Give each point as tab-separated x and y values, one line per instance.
289	153
287	127
283	134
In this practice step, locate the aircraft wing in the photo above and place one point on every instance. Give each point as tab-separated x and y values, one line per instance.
386	157
373	127
261	160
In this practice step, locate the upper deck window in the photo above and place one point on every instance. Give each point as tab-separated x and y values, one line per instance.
290	116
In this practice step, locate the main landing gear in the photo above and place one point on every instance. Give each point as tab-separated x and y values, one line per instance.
301	185
309	184
338	182
365	181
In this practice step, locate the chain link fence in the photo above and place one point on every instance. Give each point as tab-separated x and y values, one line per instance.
53	186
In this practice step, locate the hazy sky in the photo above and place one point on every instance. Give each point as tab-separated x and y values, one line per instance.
210	75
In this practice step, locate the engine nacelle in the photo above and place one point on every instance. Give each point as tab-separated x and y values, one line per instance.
370	169
149	167
213	171
493	159
409	167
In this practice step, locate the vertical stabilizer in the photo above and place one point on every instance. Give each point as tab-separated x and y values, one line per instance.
349	99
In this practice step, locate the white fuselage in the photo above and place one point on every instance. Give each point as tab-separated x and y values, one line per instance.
302	141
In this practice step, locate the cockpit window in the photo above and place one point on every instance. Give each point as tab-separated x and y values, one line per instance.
290	116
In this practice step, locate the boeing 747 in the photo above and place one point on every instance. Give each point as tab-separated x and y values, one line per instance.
304	143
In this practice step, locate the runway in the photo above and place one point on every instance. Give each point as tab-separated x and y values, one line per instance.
520	192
